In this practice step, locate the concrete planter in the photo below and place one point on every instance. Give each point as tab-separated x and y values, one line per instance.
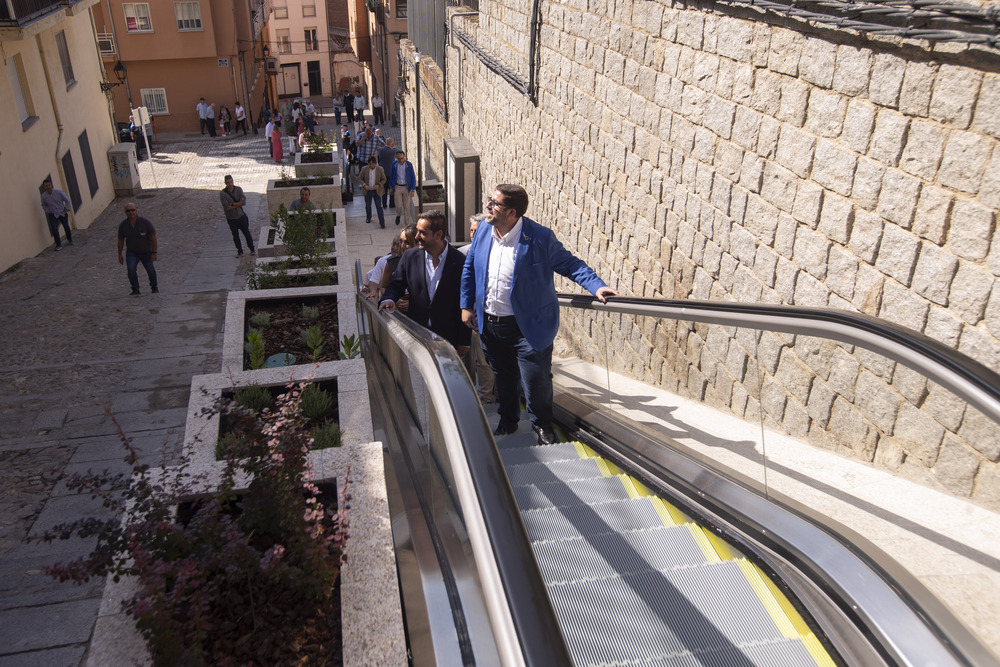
325	196
269	242
328	167
235	333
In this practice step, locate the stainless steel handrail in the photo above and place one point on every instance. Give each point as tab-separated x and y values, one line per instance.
967	378
523	623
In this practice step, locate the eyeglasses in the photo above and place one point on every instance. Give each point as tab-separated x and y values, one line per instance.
492	203
130	210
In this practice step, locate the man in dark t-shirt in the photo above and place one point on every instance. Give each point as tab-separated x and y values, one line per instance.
138	237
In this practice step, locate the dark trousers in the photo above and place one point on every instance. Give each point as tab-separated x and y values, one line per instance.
377	115
211	126
132	261
359	115
204	123
241	224
54	223
373	196
337	114
242	124
350	114
516	366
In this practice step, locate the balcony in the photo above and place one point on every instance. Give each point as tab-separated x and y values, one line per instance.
20	12
260	13
106	45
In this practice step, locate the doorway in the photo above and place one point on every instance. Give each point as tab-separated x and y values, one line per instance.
289	84
315	78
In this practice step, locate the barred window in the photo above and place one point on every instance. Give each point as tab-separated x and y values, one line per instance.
188	15
137	17
400	9
155	100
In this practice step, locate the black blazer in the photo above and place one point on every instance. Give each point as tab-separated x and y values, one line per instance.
443	312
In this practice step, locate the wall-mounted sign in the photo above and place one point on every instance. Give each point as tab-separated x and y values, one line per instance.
223	62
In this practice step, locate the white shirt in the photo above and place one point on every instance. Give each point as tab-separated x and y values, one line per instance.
500	274
268	128
240	115
434	273
372	173
375	275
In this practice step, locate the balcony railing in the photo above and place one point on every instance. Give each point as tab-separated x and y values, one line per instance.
260	13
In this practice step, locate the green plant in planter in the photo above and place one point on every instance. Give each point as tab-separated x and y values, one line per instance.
254	398
255	348
350	347
310	313
260	562
326	436
261	320
313	339
316	402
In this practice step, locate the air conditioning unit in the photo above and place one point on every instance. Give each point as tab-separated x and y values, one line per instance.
271	65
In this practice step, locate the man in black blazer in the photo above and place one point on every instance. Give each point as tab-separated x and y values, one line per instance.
432	272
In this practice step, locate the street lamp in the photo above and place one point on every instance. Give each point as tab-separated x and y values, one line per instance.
420	161
120	72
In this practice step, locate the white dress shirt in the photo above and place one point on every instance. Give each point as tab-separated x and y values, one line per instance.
500	275
434	273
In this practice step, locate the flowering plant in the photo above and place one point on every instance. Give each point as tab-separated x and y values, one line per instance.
230	577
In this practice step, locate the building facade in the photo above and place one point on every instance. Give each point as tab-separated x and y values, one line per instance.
721	153
376	28
299	37
55	121
177	52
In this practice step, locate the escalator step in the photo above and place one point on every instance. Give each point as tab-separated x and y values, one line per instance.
604	556
541	473
583	520
585	491
565	451
630	618
789	652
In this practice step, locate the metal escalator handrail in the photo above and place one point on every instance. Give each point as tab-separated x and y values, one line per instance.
957	372
524	624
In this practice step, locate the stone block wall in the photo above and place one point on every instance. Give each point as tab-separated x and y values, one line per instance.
701	152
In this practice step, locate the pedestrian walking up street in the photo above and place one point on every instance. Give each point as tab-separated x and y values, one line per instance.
233	200
57	206
138	237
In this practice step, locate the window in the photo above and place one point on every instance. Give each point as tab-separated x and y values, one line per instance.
137	17
155	100
67	65
88	164
308	10
188	15
281	12
284	41
400	9
22	94
311	42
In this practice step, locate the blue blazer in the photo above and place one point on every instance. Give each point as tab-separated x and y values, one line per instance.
538	255
411	178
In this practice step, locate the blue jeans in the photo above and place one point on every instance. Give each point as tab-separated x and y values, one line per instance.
132	262
372	196
516	365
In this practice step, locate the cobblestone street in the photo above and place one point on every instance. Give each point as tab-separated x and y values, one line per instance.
77	345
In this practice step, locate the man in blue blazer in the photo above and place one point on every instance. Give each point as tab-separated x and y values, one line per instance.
509	295
432	272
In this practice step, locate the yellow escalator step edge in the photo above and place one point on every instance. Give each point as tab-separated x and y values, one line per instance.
720	545
663	511
774	608
706	549
818	651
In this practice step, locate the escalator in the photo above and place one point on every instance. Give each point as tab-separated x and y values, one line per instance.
621	547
